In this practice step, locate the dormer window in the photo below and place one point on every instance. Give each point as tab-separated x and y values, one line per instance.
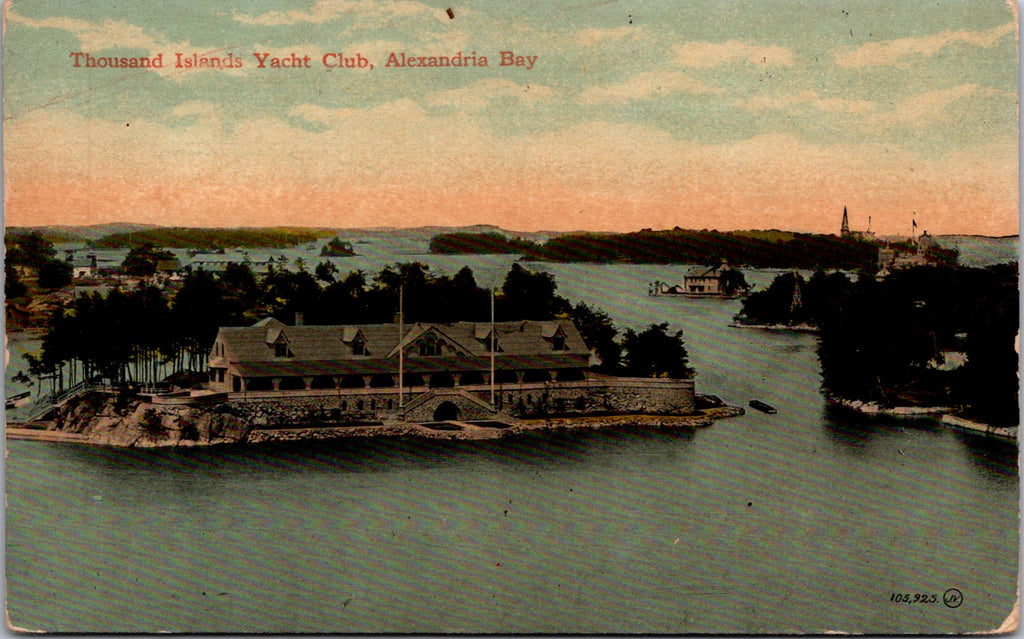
352	336
558	342
430	347
281	349
488	344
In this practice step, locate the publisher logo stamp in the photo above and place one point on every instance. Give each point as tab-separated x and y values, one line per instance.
953	598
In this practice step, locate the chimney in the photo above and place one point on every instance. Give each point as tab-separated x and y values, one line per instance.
298	319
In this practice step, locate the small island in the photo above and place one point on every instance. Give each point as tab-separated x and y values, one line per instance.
336	247
327	357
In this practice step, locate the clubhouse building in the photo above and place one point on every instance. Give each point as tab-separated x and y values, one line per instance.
428	372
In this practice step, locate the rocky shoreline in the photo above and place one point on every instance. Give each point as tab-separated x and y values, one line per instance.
109	420
944	412
794	328
874	408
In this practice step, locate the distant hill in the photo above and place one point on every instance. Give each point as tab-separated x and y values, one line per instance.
212	239
66	234
981	250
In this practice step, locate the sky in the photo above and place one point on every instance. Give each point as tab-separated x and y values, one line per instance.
643	114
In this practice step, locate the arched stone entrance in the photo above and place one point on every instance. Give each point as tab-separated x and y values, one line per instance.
446	411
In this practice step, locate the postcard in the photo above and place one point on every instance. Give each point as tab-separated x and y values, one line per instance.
460	316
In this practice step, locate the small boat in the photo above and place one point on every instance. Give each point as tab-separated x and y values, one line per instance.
17	400
764	407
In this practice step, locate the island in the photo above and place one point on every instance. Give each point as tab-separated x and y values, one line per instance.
336	247
330	358
920	340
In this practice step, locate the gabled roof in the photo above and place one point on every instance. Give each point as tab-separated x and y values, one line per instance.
269	321
707	271
275	335
328	350
549	329
418	330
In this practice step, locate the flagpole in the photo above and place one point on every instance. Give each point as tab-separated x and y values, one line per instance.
492	348
401	350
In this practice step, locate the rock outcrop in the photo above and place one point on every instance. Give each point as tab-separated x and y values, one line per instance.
122	420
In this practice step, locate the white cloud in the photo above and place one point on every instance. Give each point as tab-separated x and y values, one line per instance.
645	85
196	108
808	98
924	109
703	55
896	52
483	92
403	110
329	10
96	37
66	24
594	35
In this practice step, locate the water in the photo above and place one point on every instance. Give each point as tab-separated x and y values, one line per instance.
807	520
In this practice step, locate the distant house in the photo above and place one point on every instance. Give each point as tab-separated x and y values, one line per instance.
890	259
712	281
168	267
209	263
81	266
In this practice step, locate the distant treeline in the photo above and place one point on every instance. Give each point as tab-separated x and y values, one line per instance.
207	239
53	236
759	249
480	243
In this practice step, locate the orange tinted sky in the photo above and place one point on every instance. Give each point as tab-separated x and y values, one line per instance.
699	115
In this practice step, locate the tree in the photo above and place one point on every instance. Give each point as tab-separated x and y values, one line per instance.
732	281
774	305
656	353
286	293
31	249
599	334
54	274
199	309
325	272
241	291
141	260
13	286
529	295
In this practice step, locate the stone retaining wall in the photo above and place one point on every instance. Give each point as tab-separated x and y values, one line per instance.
601	395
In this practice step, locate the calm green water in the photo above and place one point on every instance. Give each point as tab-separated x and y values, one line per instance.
807	520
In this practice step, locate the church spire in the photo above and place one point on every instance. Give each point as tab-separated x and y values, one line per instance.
845	229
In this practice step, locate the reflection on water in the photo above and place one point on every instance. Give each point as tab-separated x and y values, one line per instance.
856	431
994	457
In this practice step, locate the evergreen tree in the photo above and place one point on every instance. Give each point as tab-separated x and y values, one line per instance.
655	352
599	333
